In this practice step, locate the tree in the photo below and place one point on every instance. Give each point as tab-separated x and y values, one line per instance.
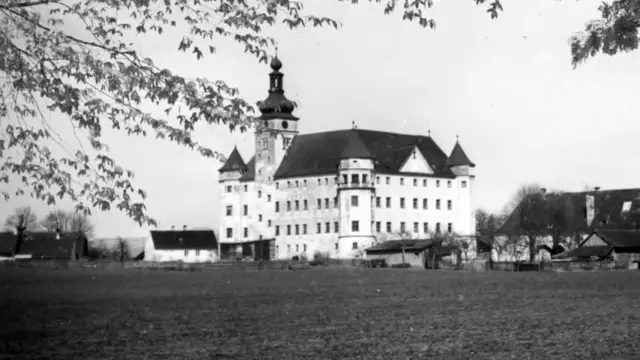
96	78
121	248
487	226
68	221
22	219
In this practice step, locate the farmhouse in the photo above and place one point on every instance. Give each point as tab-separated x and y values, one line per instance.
616	245
419	253
190	246
44	245
569	217
337	192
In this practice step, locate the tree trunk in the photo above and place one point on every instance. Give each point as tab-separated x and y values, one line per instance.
403	262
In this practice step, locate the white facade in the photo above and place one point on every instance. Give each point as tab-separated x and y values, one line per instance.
183	255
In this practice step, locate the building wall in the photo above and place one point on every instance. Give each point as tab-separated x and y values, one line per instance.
192	256
517	249
594	240
625	257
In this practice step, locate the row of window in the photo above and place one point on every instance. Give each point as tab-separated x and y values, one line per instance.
296	229
355	179
354	246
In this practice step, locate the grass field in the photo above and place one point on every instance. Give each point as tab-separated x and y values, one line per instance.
317	314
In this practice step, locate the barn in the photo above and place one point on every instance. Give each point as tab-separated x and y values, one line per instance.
190	246
606	244
44	246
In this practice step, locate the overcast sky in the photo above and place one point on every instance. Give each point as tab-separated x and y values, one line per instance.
505	86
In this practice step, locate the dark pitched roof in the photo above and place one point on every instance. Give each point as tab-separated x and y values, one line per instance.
7	243
320	153
184	240
410	245
250	170
608	210
44	245
458	157
355	148
620	238
234	162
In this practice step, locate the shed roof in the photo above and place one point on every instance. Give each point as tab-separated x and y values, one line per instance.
184	240
45	245
619	238
410	245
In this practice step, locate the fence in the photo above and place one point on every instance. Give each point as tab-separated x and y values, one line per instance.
564	266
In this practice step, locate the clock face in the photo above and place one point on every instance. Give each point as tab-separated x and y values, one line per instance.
285	124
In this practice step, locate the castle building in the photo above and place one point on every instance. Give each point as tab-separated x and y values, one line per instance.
338	192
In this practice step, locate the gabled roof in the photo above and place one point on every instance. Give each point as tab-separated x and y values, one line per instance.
320	153
7	243
619	238
355	148
458	157
250	170
608	211
234	162
44	245
184	240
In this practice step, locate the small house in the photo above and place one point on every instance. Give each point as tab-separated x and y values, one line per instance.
416	252
607	244
191	246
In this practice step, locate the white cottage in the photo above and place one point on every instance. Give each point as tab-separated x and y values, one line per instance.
191	246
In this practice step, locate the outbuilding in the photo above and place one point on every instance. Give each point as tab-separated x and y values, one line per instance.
607	244
419	253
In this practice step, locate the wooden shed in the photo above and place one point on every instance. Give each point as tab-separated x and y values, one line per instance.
419	253
616	245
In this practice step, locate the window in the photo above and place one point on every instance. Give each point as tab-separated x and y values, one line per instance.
305	185
288	248
269	198
424	182
388	180
305	204
319	228
186	253
425	204
288	229
245	210
388	201
288	184
402	203
229	210
448	183
378	226
344	179
378	201
449	227
355	226
425	227
277	185
335	202
229	233
259	217
304	229
401	181
259	194
296	186
354	200
402	227
327	227
304	247
326	203
319	204
197	252
464	184
297	229
354	246
297	247
336	226
277	230
336	246
297	205
288	205
437	183
269	223
364	179
438	204
437	228
229	188
277	206
415	203
377	179
415	182
319	182
326	181
246	232
449	204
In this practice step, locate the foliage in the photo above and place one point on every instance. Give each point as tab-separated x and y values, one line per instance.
121	249
68	221
97	79
22	219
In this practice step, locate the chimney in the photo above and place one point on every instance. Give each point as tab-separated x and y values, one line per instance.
184	227
58	233
173	227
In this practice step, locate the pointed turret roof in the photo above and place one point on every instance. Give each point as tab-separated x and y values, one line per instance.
355	149
234	162
458	157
